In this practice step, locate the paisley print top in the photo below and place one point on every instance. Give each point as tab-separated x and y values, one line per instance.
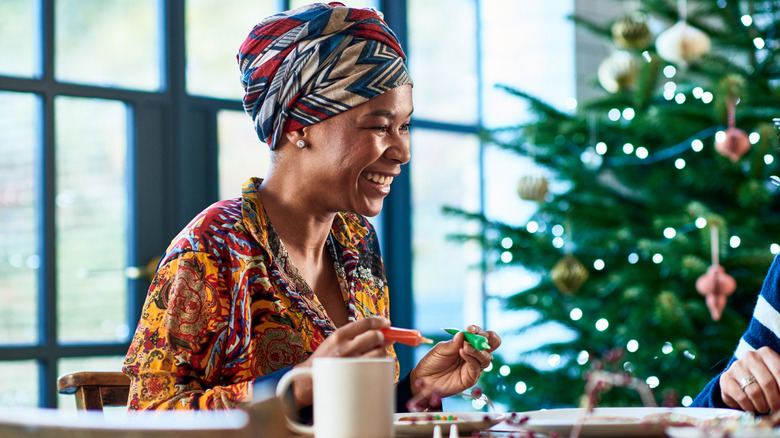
227	306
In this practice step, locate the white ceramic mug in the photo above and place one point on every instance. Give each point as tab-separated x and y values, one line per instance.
353	397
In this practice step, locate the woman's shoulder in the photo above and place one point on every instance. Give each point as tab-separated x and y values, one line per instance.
210	228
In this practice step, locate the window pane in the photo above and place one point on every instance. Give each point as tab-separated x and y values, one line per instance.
442	59
19	119
241	154
19	42
75	364
538	58
446	277
215	31
91	216
19	383
113	43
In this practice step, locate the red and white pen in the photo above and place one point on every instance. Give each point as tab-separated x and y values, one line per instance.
405	336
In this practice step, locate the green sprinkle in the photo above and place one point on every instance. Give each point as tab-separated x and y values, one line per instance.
477	341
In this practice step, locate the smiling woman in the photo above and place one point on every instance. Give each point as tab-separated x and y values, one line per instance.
291	270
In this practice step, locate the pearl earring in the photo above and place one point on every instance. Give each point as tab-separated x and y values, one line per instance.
300	143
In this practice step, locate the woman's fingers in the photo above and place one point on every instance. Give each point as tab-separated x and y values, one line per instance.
751	383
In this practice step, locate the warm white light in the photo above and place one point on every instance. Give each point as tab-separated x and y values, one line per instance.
679	163
769	159
532	227
670	86
700	223
735	241
746	20
628	148
628	113
669	232
598	264
521	387
641	152
774	248
614	114
697	145
602	324
720	136
669	71
557	230
657	258
667	348
632	346
679	98
554	360
754	137
633	258
583	357
759	43
668	94
575	314
506	242
504	370
653	382
557	242
697	92
571	103
601	148
706	97
687	400
506	256
489	367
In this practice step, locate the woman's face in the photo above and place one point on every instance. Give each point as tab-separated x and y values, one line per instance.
351	158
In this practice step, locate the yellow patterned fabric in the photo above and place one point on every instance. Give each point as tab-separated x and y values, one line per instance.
227	307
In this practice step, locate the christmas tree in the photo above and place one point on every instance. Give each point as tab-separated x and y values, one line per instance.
657	215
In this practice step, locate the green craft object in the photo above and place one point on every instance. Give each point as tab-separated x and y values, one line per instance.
477	341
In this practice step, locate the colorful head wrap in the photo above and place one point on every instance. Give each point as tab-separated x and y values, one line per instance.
302	66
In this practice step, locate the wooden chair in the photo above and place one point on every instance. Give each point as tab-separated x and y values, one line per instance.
95	389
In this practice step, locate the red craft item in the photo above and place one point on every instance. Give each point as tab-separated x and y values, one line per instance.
716	285
405	336
734	143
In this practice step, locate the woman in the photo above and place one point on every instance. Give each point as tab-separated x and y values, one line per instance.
751	380
291	271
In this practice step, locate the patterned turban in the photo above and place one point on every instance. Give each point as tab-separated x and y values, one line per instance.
302	66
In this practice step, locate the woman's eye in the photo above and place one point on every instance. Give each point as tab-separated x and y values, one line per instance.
406	126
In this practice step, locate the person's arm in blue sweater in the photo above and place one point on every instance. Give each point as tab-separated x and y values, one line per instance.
751	381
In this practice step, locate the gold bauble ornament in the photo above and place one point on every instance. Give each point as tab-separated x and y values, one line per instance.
631	31
618	72
532	188
569	274
682	44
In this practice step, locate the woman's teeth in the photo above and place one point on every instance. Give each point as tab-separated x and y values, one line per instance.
379	179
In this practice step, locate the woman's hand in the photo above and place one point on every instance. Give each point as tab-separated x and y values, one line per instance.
361	338
453	366
751	383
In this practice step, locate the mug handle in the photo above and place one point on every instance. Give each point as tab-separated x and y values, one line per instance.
281	390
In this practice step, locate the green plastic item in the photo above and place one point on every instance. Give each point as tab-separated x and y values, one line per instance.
477	341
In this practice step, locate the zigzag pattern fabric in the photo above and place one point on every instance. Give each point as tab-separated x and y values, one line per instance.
302	66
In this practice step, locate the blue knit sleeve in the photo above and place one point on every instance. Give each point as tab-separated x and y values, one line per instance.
764	330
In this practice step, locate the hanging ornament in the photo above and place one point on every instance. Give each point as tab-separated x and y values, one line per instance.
716	285
619	71
569	274
733	142
682	44
631	31
532	188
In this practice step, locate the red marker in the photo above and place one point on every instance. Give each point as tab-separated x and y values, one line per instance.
405	336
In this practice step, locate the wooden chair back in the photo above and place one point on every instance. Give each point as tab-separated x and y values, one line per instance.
95	389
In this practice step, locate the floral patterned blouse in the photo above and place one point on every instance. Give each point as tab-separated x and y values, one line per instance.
227	306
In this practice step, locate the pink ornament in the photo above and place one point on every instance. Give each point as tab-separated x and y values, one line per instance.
716	285
733	143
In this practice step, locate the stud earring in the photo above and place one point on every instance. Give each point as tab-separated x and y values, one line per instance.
301	144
